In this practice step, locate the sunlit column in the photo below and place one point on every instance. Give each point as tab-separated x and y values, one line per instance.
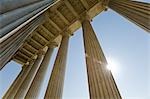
36	85
18	81
56	82
28	80
135	11
100	80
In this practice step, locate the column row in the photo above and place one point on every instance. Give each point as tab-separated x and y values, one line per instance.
29	82
100	80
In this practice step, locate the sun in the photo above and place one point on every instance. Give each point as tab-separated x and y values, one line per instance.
113	65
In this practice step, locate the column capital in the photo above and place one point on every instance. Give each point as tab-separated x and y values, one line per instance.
105	2
30	62
33	58
52	45
85	16
67	32
25	65
41	52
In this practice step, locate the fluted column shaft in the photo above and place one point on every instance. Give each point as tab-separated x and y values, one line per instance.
14	18
36	85
100	80
14	4
55	85
28	80
135	11
18	81
14	42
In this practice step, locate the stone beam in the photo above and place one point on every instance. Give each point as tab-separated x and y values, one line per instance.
71	8
27	51
62	17
23	55
53	24
43	38
47	31
19	59
31	47
36	42
85	4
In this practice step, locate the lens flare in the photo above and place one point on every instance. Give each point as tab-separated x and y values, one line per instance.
113	65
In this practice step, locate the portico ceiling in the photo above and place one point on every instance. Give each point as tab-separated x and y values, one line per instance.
62	17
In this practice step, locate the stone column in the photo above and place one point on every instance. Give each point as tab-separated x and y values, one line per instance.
56	82
14	4
135	11
28	80
14	19
36	85
100	80
18	81
10	45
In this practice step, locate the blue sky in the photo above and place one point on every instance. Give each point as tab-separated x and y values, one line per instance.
121	41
